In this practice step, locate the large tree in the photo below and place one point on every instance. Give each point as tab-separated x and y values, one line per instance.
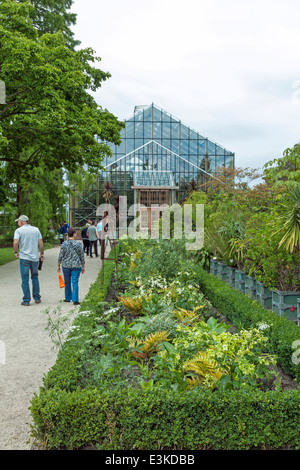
285	170
49	120
51	16
49	116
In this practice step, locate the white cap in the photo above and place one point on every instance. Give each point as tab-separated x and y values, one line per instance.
24	218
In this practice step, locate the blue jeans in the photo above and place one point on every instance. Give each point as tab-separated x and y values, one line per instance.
25	267
71	277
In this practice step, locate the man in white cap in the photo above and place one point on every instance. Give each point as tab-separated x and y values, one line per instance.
27	243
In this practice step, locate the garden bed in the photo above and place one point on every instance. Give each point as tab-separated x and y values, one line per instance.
154	365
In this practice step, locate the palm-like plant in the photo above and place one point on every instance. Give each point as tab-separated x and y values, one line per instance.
291	220
107	193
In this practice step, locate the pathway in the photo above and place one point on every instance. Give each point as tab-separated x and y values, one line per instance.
26	350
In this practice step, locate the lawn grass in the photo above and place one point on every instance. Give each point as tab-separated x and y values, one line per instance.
7	253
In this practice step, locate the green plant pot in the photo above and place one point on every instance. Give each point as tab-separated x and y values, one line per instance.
230	275
263	295
240	280
250	286
285	303
213	266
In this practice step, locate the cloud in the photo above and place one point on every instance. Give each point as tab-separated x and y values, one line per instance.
227	69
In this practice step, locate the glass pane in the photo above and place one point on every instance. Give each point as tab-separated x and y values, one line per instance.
129	129
211	148
156	114
138	143
219	150
129	145
166	130
157	130
144	218
148	114
138	129
192	134
147	130
184	132
220	161
175	146
193	147
166	143
184	147
175	130
139	116
166	117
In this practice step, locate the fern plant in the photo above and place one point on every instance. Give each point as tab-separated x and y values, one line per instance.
202	369
148	346
190	315
135	305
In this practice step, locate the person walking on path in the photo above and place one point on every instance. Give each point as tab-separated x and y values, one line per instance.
71	256
27	243
85	239
60	232
65	229
99	233
92	234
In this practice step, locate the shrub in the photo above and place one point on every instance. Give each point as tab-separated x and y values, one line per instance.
246	313
135	419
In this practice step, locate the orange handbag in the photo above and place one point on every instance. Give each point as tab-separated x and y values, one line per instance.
61	282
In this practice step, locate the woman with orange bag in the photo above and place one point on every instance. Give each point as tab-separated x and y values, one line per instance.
71	256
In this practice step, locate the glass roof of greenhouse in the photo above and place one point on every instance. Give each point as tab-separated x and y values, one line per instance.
154	140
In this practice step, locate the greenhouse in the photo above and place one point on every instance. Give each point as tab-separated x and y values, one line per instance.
159	161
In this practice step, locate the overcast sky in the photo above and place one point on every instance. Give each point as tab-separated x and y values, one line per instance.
230	69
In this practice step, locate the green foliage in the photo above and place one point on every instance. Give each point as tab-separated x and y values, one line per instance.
247	313
68	371
275	267
6	255
291	220
50	16
163	259
139	380
49	114
153	419
284	170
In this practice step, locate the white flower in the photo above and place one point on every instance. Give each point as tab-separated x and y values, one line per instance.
85	313
263	326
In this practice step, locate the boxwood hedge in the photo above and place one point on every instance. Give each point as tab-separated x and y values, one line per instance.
246	313
67	416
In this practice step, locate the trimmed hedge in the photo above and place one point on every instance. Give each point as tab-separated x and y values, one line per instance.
246	313
67	370
133	419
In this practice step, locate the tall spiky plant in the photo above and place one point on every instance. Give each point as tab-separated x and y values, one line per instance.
291	220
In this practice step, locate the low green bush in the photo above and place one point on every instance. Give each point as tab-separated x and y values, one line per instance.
246	313
68	370
72	412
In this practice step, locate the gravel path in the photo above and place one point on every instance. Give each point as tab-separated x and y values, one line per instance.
26	350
